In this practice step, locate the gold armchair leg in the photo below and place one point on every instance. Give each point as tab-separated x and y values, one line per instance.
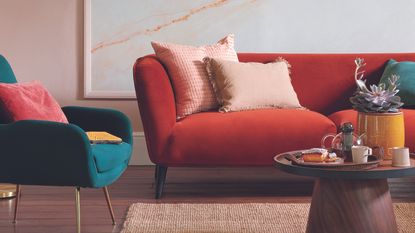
78	206
107	197
78	209
16	203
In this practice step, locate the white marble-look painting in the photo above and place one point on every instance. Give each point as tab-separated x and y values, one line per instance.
119	31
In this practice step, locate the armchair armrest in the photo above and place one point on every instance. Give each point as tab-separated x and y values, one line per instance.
45	153
100	119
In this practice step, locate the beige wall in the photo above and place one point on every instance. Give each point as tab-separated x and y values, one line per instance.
43	40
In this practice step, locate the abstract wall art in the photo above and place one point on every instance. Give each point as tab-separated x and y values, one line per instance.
117	32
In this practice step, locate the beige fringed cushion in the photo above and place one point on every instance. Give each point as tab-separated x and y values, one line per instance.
192	89
244	86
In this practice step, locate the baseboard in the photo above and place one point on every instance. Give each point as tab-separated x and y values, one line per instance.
140	154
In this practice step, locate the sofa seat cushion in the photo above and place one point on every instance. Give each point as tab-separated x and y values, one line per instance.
109	156
243	138
351	116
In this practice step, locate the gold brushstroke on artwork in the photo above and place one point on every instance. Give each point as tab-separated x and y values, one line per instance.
157	28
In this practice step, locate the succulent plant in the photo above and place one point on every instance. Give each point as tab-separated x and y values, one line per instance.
379	98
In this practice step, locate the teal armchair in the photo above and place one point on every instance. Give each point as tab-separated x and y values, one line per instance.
36	152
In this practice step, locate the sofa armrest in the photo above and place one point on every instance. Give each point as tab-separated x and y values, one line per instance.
100	119
45	153
341	117
156	103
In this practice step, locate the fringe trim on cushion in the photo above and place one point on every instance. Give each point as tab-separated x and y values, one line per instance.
212	79
281	59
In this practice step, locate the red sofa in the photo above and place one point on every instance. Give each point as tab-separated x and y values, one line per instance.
323	82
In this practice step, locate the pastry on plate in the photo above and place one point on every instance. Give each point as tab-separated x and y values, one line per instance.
318	155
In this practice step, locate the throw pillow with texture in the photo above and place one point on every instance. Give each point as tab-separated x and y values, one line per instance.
191	85
406	72
244	86
29	101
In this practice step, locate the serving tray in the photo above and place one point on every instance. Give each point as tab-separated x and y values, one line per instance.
338	164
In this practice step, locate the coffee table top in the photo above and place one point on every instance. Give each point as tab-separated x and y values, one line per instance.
383	171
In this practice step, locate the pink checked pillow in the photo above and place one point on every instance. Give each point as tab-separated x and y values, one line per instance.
192	88
29	101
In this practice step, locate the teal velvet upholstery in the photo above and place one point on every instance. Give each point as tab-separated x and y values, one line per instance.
49	153
406	72
104	155
6	72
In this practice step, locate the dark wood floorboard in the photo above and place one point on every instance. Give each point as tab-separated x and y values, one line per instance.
52	209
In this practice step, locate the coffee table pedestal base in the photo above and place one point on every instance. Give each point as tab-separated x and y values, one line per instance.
351	206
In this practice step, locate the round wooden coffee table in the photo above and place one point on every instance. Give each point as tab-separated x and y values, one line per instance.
350	201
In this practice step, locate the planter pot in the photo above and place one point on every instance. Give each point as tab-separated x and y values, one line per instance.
383	130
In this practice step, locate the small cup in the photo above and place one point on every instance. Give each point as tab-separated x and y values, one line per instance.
360	153
400	156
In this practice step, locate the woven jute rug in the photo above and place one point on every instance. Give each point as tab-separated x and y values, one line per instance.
234	218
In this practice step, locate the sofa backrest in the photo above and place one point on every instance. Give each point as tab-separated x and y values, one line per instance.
324	82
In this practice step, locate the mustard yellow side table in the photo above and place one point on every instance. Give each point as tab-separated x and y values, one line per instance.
7	190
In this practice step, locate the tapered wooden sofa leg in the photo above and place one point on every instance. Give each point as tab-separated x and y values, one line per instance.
161	178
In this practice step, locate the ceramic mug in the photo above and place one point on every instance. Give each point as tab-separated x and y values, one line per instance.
400	156
360	153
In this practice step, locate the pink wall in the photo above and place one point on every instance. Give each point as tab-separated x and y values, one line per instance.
43	40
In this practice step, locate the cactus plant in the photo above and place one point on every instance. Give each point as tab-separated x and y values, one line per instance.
379	98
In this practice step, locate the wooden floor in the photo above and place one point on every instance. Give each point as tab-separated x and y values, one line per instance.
52	209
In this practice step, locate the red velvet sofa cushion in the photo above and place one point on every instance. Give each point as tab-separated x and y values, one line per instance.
243	138
409	118
28	101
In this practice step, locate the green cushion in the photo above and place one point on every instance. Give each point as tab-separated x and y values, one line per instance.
109	156
406	72
108	177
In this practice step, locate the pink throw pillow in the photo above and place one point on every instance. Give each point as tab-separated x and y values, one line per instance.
192	87
29	101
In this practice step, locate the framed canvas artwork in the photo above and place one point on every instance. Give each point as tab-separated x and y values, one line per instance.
117	32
